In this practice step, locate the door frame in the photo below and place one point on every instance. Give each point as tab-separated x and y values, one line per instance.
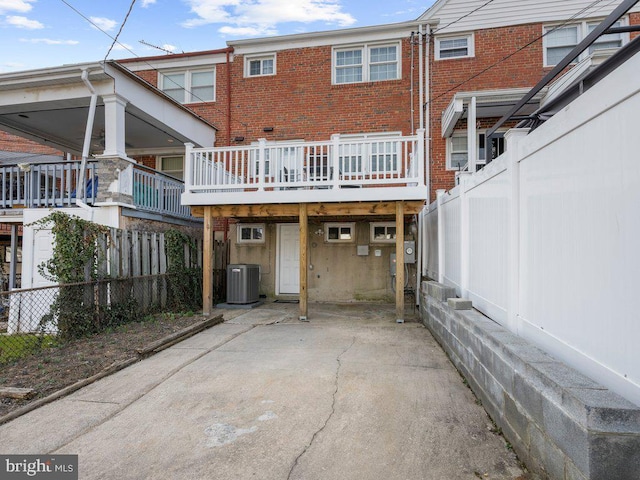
278	244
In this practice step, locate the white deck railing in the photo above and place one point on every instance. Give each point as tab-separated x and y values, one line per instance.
45	184
157	192
340	163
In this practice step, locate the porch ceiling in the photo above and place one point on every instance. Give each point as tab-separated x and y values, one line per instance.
489	104
51	107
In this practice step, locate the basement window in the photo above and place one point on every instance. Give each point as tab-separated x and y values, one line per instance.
250	233
383	232
339	232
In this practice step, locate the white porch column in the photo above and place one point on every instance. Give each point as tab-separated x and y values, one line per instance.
114	126
472	135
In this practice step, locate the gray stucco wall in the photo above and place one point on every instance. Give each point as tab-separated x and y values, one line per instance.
338	273
562	424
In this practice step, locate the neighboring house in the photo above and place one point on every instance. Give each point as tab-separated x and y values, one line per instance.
329	144
483	63
100	116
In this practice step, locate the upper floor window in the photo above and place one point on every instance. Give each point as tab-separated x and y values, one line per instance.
260	66
366	63
172	165
458	151
189	86
560	40
461	46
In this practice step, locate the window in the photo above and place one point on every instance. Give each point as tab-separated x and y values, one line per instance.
173	166
383	232
497	146
339	232
251	233
454	47
260	66
457	154
613	40
189	86
457	149
560	40
366	63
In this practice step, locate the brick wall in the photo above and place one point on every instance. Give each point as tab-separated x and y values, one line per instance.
521	70
300	102
13	143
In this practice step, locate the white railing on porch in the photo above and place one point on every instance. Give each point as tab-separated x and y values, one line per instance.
338	163
45	184
157	192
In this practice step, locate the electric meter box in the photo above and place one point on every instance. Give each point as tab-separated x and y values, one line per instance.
409	251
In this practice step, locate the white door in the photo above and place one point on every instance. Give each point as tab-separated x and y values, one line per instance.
288	259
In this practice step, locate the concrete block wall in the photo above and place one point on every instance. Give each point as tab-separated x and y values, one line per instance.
562	425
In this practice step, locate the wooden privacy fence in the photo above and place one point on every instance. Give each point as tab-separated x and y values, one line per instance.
134	253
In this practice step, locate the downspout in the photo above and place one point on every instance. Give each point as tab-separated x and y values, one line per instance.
229	51
419	240
80	187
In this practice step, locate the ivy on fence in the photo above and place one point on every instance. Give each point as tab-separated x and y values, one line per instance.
86	304
185	277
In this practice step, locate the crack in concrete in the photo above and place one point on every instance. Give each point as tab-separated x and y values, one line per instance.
333	411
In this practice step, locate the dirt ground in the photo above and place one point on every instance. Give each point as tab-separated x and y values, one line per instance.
52	369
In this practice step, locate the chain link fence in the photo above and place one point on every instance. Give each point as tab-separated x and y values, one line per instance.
33	319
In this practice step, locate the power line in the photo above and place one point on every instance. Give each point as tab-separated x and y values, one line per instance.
120	30
145	62
462	17
505	58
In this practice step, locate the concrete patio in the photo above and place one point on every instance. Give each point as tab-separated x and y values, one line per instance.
349	395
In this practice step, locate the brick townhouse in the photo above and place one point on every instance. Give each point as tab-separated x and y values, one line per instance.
328	144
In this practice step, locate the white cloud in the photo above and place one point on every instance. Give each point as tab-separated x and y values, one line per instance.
22	6
24	22
260	17
102	23
247	31
171	48
49	41
146	3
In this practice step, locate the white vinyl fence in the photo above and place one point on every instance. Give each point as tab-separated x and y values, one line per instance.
546	239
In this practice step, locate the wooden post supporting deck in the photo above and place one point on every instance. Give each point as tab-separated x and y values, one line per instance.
304	238
400	262
207	262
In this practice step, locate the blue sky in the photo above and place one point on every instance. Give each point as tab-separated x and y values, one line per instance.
44	33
